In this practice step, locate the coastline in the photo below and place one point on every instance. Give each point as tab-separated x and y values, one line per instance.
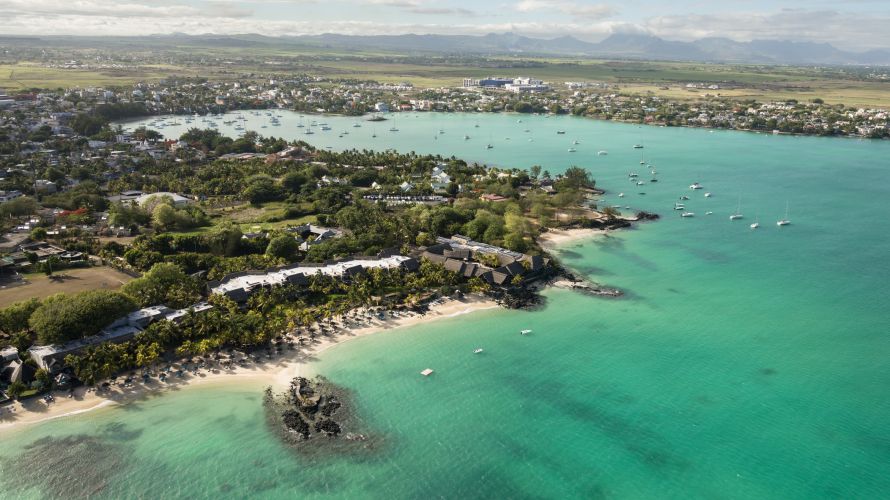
556	238
277	371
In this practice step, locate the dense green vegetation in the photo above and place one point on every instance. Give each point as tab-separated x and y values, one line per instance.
64	317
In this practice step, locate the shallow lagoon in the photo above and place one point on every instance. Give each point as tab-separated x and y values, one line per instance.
741	364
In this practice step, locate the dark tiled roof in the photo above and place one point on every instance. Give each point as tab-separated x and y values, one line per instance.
434	257
455	266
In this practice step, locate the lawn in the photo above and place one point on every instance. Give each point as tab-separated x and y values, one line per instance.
68	281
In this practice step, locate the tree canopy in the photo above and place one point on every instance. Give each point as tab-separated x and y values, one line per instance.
65	317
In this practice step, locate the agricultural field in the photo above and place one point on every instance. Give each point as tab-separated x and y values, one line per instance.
759	82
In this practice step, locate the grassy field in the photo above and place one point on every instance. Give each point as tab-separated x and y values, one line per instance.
68	281
32	75
737	80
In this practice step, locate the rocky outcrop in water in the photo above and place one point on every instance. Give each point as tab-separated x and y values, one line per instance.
312	409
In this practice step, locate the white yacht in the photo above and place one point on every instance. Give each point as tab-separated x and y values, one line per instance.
687	214
524	332
572	150
785	220
602	153
756	224
738	211
695	186
478	350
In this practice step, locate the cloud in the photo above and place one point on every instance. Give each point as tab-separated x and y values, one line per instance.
578	10
844	30
110	8
423	8
592	22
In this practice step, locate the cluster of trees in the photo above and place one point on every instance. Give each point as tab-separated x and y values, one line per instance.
93	122
164	283
63	317
269	314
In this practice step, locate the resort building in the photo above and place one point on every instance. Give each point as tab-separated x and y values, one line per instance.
51	357
462	255
240	286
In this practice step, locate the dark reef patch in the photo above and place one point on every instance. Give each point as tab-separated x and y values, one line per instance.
77	466
315	417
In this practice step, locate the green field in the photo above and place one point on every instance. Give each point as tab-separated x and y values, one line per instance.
758	82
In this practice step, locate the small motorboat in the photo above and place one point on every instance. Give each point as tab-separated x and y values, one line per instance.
707	195
477	351
695	186
524	332
572	150
687	214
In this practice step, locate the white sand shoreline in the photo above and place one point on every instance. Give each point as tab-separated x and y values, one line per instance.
555	238
276	372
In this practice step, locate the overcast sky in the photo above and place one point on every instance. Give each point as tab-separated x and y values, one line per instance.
848	24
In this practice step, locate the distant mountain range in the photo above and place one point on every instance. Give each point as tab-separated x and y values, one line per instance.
629	46
623	46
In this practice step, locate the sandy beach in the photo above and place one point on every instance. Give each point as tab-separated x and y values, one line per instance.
276	372
556	238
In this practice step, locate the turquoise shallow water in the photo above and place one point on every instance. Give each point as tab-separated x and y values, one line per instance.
741	364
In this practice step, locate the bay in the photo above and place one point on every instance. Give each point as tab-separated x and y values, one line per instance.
741	363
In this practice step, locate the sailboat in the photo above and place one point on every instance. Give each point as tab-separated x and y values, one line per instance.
756	223
785	220
738	211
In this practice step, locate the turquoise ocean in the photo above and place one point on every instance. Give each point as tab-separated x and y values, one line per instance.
740	363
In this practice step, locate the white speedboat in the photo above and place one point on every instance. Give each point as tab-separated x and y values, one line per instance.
524	332
477	351
687	214
755	225
707	195
602	153
621	195
695	186
572	150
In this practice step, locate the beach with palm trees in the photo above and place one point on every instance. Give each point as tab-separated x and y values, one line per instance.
290	356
